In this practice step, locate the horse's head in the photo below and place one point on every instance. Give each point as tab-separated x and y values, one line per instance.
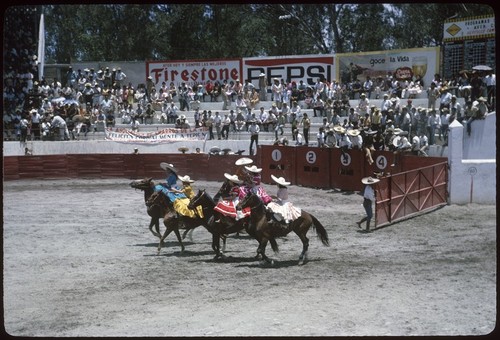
142	184
224	189
195	201
250	200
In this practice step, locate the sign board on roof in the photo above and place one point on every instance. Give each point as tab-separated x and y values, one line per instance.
294	68
469	28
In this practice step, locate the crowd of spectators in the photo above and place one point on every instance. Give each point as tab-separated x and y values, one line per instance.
88	100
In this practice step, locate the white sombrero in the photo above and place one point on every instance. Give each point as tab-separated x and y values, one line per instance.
186	179
244	161
253	169
353	132
169	166
395	141
369	180
233	178
280	181
214	149
338	129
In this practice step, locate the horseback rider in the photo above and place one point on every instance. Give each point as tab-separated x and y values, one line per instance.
170	189
229	200
283	210
241	172
255	185
189	192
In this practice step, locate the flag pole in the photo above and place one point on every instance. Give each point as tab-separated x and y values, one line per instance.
41	48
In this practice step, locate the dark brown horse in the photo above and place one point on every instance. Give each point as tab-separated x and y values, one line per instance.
220	224
264	230
156	212
174	221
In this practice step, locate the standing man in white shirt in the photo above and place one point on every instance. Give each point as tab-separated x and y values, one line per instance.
254	136
491	84
368	199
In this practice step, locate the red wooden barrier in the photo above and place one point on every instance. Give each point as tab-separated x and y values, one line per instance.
313	167
346	169
408	193
278	161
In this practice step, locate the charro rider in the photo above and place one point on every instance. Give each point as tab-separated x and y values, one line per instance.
282	209
170	189
255	186
189	192
241	172
229	200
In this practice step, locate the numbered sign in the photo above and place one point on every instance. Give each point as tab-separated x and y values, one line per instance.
276	155
345	159
381	162
311	157
472	170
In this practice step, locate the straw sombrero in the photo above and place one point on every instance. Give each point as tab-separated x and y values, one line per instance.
338	129
353	132
233	178
186	179
280	181
169	166
253	169
369	180
243	161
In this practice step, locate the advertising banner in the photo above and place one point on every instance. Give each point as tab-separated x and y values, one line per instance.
163	136
402	64
469	28
194	72
307	68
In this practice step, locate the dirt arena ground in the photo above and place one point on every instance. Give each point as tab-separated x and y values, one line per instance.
78	260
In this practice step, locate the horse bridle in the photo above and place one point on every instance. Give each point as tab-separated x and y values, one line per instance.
259	204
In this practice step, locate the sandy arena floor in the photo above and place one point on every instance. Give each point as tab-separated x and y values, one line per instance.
80	261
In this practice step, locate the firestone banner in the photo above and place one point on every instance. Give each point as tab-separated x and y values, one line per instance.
163	136
194	72
402	64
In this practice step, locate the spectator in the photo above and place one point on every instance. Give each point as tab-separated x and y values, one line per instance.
306	125
226	123
262	87
479	110
320	137
277	90
218	124
59	123
254	136
149	114
120	77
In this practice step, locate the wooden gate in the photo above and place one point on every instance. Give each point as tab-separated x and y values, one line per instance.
408	193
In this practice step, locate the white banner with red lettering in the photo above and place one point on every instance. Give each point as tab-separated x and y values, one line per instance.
168	135
194	72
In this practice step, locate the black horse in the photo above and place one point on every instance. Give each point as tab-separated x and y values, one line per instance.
174	221
221	224
156	212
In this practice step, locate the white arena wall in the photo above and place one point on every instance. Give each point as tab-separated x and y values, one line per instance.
472	162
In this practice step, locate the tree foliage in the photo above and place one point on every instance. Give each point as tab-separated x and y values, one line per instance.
107	32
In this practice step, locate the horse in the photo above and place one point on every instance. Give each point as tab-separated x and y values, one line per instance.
225	225
174	221
264	229
155	211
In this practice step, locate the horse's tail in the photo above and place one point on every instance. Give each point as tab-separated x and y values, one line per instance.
320	230
274	244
